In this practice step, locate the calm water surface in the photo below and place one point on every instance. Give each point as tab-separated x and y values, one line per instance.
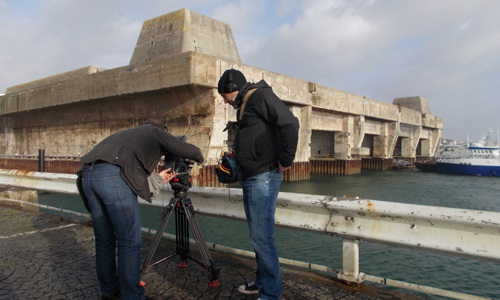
442	271
436	270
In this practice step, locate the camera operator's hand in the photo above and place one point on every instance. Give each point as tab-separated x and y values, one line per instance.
167	174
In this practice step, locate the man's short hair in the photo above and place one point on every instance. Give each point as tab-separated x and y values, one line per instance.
156	123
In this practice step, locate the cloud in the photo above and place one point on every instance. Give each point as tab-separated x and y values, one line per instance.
446	51
63	36
48	37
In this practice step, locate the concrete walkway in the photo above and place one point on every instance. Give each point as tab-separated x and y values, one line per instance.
47	257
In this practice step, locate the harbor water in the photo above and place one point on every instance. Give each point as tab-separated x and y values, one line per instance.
447	272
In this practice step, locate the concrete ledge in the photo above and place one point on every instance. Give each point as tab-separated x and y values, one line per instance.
53	79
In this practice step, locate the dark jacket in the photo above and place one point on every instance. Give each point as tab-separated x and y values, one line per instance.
267	131
138	151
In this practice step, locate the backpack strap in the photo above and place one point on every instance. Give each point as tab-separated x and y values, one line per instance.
245	100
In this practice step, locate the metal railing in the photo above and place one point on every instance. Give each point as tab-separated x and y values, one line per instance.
467	233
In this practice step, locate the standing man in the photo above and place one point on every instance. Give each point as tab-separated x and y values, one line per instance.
265	146
115	172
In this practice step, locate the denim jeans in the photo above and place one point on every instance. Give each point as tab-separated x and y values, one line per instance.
117	226
259	197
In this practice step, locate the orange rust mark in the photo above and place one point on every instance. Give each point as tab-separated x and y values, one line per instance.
370	205
23	173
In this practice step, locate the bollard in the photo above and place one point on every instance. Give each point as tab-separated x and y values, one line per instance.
41	160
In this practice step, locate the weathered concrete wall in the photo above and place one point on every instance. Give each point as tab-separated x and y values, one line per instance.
416	103
54	79
173	76
160	37
74	129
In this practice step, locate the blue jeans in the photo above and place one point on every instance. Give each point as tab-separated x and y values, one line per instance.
259	197
117	225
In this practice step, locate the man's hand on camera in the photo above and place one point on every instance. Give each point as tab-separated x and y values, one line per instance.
167	174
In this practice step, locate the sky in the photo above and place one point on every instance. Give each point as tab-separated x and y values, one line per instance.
446	51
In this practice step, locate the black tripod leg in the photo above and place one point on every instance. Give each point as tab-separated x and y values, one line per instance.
159	232
202	245
182	236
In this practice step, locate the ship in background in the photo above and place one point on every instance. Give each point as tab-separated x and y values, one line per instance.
481	158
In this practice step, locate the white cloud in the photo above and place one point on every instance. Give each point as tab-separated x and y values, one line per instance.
446	51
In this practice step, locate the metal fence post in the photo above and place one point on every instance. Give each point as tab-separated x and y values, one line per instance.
41	160
350	261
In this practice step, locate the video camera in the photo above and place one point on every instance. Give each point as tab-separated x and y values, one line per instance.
182	166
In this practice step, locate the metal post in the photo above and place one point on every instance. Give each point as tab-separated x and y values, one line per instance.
41	160
350	261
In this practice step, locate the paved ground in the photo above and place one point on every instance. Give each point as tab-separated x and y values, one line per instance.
48	257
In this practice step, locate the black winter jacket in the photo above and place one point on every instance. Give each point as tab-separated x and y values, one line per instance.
267	131
138	151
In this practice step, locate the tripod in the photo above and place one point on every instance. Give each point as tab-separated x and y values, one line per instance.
184	220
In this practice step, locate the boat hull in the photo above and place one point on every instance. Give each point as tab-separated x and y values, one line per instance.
464	169
426	166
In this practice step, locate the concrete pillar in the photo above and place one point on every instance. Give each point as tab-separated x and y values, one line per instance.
409	145
425	148
342	147
416	139
380	146
358	131
303	147
434	141
406	147
393	129
384	144
344	140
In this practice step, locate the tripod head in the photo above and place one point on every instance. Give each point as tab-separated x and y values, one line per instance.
182	166
181	182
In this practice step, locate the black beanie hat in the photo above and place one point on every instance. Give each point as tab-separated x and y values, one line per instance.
230	81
